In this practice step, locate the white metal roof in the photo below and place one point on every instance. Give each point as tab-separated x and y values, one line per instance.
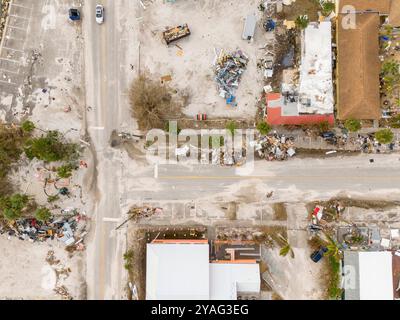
227	279
177	272
376	275
316	69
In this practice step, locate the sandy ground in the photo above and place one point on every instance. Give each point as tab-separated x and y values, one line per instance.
25	273
213	24
41	80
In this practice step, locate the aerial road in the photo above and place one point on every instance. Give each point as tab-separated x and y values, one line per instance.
106	84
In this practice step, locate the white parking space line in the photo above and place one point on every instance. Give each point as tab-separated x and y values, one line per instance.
10	60
4	47
9	71
6	82
21	6
13	27
18	17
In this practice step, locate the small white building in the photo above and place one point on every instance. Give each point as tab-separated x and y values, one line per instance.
316	86
368	275
182	271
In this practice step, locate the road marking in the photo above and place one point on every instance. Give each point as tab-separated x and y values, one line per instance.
96	128
19	17
10	60
156	171
6	82
6	71
116	220
21	6
19	28
4	47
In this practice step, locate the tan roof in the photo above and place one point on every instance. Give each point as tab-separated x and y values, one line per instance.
381	6
394	16
358	69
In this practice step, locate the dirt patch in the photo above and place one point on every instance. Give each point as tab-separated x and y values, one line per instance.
301	7
280	213
358	203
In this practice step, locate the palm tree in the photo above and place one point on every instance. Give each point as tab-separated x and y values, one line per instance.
286	248
333	247
302	22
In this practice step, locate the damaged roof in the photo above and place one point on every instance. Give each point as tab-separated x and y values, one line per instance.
359	68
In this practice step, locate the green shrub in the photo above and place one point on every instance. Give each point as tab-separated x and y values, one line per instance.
384	136
28	126
352	125
231	127
65	171
264	128
12	206
43	214
50	147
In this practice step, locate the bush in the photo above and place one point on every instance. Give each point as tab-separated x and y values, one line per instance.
43	214
50	148
231	127
395	121
302	22
28	126
264	128
352	125
334	290
384	136
129	260
12	207
65	171
151	102
327	7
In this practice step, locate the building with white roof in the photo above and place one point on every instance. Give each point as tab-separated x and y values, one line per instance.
182	271
368	275
316	86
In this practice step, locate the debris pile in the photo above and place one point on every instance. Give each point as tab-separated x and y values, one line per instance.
64	229
176	33
144	212
275	147
228	71
368	144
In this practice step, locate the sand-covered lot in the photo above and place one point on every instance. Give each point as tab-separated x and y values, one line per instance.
25	273
214	24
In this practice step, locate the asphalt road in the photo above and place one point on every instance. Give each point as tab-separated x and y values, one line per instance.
105	64
351	173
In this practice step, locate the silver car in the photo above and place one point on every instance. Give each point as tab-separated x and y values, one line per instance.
99	14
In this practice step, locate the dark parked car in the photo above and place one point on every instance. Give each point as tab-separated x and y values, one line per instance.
318	254
74	14
328	135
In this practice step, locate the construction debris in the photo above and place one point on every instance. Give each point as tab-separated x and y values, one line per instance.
274	147
61	228
228	71
176	33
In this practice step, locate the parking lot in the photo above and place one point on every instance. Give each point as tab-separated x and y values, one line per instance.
12	51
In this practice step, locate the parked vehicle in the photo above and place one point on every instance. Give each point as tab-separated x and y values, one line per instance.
99	14
74	14
328	135
318	254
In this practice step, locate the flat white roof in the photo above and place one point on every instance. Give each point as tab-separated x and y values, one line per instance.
227	279
177	272
316	69
376	275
